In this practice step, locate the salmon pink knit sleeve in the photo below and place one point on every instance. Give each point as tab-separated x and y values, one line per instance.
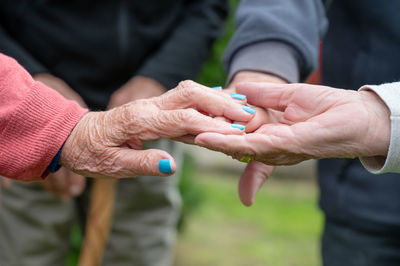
35	121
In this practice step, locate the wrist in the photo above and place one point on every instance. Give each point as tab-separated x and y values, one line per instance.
378	131
78	138
42	75
255	76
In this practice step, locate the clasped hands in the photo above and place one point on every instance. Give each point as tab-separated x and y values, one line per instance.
298	122
292	123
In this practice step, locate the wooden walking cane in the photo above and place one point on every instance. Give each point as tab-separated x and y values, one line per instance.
98	222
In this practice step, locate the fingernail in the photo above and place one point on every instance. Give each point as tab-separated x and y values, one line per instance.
238	96
217	88
238	126
248	109
164	165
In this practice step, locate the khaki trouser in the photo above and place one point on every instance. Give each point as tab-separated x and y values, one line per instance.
35	226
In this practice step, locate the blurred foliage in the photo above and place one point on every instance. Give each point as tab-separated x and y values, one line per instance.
213	73
75	246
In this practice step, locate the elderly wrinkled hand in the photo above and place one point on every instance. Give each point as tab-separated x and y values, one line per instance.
315	122
109	143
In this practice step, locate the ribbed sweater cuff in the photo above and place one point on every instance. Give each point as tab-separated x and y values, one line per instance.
36	131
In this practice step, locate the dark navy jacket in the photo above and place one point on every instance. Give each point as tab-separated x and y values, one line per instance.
96	46
362	46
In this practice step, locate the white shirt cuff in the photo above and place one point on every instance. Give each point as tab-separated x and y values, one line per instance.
390	94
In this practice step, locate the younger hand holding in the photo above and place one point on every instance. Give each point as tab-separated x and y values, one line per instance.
255	173
317	122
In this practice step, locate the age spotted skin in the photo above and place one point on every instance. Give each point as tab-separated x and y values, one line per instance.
108	144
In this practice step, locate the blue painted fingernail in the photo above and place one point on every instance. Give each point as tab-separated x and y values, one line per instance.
217	88
248	109
164	165
238	96
238	126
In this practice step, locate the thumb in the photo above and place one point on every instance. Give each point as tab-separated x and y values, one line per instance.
253	177
150	162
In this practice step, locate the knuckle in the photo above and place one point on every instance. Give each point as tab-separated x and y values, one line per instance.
187	89
179	120
188	115
186	93
107	164
144	164
126	113
186	84
175	118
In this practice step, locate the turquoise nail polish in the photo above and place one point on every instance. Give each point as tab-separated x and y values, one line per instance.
248	109
238	126
238	96
217	88
164	165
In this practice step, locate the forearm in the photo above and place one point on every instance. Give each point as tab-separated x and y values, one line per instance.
274	58
277	37
390	95
35	121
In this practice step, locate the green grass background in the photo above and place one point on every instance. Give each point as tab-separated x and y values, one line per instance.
281	228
